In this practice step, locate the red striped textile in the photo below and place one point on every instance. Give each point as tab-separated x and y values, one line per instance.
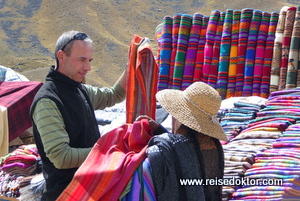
110	165
286	41
142	79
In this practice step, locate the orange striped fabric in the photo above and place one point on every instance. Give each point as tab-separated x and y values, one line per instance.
142	79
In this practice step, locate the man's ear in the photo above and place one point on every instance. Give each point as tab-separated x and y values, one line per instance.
61	56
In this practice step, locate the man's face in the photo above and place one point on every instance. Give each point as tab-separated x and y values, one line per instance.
77	64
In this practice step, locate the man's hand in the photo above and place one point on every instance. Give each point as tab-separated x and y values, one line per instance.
152	124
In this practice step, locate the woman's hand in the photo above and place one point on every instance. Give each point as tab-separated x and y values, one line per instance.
152	124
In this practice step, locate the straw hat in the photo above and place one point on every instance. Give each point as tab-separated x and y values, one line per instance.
196	107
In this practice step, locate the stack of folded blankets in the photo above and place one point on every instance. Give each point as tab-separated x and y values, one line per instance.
239	155
22	162
278	166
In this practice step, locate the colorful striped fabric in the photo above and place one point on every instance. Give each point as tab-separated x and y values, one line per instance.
158	32
233	54
165	53
246	16
142	79
250	52
110	164
286	41
175	31
208	48
182	45
213	69
291	78
276	59
224	54
266	73
191	54
260	52
200	51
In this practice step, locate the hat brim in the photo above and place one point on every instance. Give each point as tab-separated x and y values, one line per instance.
185	112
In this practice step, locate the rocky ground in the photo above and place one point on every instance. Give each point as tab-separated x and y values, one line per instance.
30	28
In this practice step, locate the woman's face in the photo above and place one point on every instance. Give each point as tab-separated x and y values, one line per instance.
177	127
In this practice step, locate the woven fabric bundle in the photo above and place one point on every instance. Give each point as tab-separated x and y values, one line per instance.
200	50
158	32
291	77
286	42
175	31
250	53
260	52
276	59
213	70
182	45
165	53
233	54
224	54
191	54
245	21
208	48
265	81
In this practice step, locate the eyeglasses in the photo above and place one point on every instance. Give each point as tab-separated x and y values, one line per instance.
78	36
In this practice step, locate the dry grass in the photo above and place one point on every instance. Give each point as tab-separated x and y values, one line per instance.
29	29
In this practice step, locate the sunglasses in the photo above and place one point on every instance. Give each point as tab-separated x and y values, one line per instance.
78	36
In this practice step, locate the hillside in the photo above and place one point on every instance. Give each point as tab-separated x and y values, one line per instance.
30	28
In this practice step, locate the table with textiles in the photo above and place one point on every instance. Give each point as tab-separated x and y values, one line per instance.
15	102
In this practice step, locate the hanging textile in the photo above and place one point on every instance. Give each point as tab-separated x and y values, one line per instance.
286	41
158	31
213	69
142	80
260	52
245	21
224	54
291	78
165	53
266	73
233	54
175	31
250	52
190	59
208	48
200	50
182	45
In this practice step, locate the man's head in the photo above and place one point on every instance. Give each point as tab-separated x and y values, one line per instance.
73	54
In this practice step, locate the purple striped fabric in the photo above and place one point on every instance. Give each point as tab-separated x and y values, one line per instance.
213	70
245	21
260	52
250	53
200	51
208	48
165	53
266	73
191	54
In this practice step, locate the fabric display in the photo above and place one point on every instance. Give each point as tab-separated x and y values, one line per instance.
17	165
240	53
275	137
141	78
31	187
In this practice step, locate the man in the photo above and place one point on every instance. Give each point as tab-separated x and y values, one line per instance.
64	124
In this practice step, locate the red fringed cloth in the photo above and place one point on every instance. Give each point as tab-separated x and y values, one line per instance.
142	79
17	98
111	164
